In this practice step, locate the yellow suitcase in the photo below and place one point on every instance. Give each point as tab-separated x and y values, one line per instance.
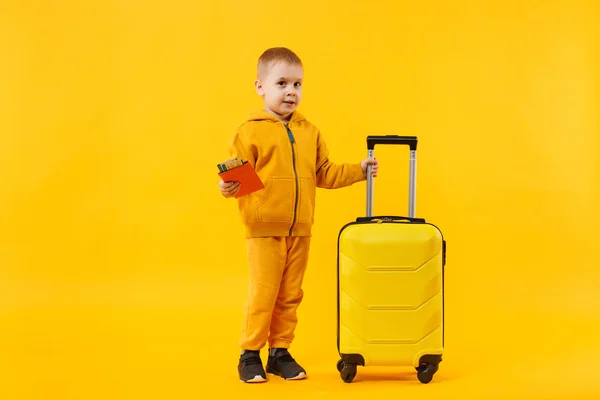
391	286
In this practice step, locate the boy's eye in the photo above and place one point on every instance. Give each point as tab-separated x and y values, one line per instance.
281	83
297	84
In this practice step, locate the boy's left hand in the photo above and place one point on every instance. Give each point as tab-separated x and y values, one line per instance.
370	161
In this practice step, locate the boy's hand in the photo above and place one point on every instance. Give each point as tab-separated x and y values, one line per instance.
370	161
229	189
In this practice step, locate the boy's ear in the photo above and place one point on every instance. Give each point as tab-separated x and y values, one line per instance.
258	87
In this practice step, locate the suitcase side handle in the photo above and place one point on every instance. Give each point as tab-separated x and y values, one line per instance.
390	218
410	141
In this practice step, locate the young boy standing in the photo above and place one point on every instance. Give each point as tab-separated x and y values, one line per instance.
290	156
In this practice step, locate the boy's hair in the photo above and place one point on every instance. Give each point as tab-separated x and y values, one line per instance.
274	55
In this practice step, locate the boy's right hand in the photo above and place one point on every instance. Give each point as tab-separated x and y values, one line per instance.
229	189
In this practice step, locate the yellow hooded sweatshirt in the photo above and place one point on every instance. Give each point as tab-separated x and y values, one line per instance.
292	160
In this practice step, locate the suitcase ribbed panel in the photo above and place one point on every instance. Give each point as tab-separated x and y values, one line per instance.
391	302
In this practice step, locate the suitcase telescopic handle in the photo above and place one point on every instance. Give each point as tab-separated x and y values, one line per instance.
411	142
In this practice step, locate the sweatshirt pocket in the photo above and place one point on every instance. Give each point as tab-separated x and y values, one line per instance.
306	205
277	205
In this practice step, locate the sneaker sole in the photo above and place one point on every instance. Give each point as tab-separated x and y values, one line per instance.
298	377
256	379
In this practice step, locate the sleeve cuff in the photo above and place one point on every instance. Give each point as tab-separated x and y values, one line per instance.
357	174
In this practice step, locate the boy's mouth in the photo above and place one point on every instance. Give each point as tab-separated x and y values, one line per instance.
289	102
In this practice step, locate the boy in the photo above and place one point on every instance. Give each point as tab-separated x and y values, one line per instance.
291	158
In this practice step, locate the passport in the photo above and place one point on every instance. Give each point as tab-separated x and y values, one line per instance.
236	170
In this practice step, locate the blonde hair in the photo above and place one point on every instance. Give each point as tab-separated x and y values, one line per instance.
273	56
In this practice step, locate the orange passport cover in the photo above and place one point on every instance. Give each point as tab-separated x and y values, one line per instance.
246	176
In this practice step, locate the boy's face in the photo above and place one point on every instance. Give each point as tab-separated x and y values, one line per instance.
281	89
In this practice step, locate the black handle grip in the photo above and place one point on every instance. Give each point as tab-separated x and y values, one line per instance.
391	218
392	139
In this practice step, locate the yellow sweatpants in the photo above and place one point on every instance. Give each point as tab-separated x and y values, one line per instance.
276	270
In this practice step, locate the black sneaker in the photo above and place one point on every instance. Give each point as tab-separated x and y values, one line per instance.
282	364
250	367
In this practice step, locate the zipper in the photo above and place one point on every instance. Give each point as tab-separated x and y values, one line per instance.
292	141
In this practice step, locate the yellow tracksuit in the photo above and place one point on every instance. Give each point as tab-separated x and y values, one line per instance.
292	160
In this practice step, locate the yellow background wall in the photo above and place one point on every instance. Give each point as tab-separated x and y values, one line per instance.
122	270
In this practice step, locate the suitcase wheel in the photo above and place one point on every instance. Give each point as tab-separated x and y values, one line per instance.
425	372
347	371
340	365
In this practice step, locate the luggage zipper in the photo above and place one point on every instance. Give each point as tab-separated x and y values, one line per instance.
292	141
